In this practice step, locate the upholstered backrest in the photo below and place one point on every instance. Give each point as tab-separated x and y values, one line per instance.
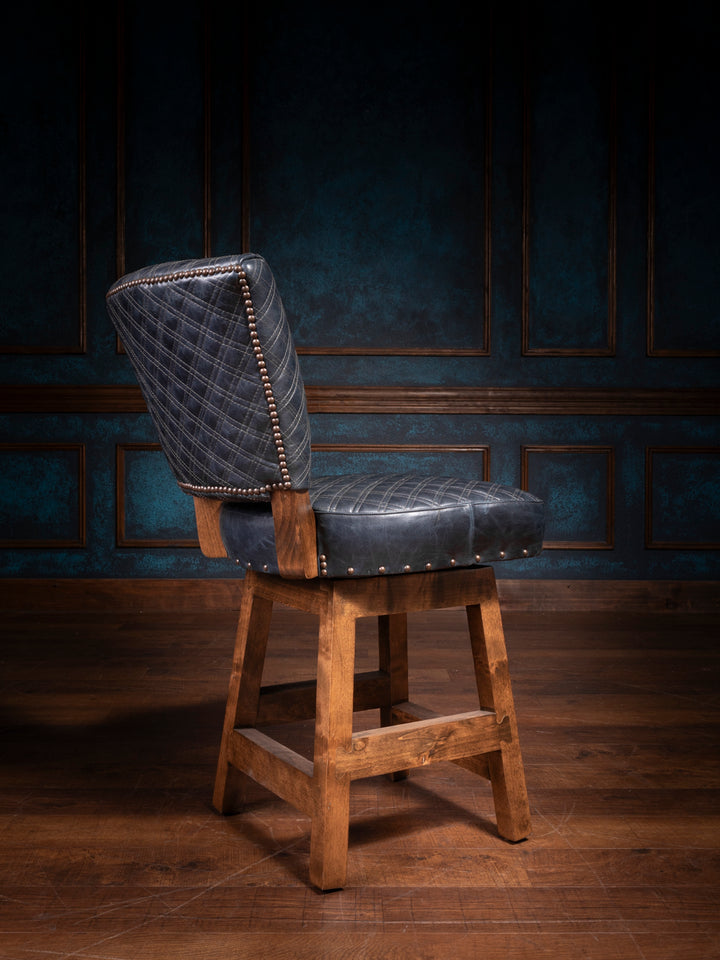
214	356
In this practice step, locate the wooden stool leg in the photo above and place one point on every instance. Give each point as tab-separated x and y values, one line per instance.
244	694
333	733
507	775
393	649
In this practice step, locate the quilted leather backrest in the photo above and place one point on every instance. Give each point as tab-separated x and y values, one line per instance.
214	356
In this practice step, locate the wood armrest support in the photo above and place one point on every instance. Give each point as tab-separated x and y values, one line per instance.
295	538
207	518
294	523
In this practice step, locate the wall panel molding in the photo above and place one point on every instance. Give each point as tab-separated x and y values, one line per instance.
485	401
41	484
211	26
429	223
511	401
693	145
606	503
693	493
78	344
122	538
529	348
128	30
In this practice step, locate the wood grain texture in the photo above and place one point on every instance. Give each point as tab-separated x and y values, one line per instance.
110	729
295	538
383	399
207	519
244	694
488	738
222	595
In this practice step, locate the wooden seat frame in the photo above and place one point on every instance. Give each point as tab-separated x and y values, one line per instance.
484	741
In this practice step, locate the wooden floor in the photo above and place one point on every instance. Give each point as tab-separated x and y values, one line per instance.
110	848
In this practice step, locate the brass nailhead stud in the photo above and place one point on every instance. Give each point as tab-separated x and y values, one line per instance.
351	571
502	554
428	566
381	569
407	568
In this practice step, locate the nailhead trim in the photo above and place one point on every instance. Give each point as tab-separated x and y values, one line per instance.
226	491
177	275
264	377
220	491
406	568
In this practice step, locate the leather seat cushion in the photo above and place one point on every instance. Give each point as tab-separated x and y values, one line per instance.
396	523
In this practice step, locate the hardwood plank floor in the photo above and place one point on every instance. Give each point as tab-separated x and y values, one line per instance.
112	851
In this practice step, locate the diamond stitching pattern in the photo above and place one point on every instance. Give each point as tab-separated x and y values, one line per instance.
401	493
186	332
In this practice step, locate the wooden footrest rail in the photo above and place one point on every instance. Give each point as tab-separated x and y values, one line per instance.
482	740
418	742
276	767
288	702
412	743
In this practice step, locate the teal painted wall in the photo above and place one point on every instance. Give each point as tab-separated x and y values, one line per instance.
521	199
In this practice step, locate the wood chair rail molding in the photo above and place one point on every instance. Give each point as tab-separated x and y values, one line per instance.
478	401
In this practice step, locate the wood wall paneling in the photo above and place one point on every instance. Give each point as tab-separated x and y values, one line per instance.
42	496
682	509
413	400
144	520
683	190
164	130
45	212
577	484
413	188
386	245
569	221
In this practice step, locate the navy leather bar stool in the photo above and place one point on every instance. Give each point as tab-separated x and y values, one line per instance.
214	356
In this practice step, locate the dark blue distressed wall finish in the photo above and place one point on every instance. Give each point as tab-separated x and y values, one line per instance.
378	127
480	206
570	181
